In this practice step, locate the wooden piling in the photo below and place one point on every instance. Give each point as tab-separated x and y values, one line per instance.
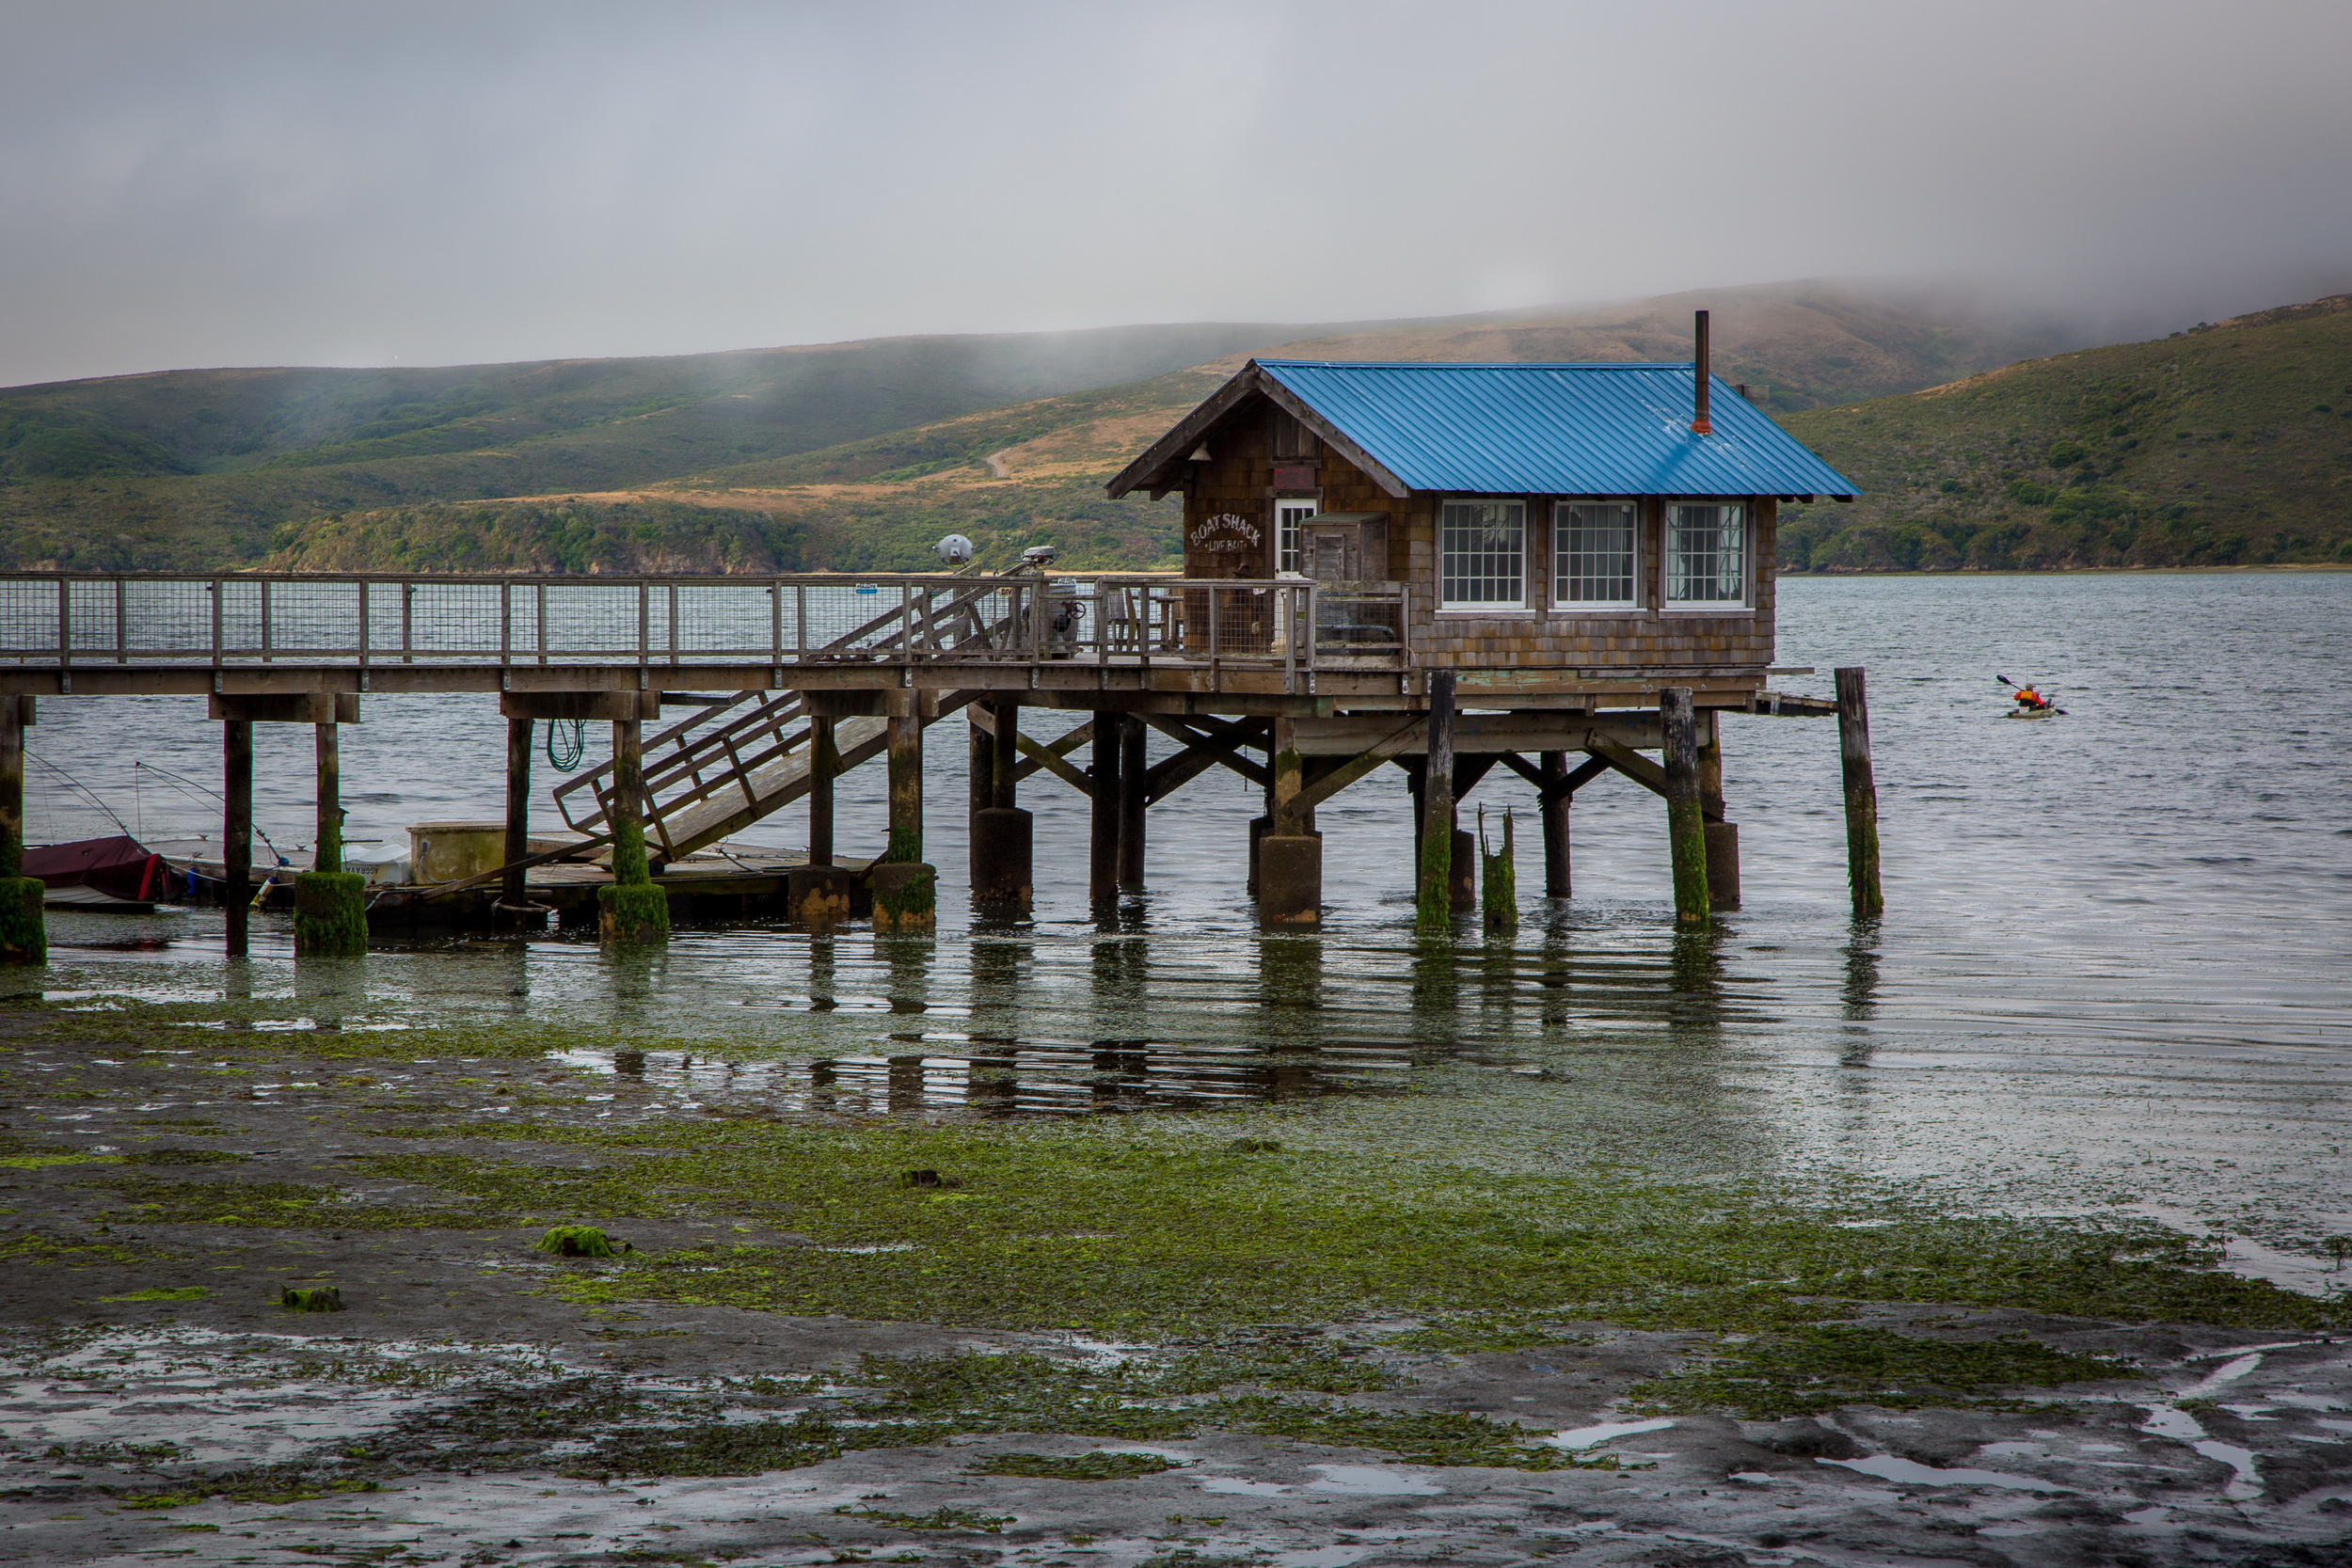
1722	838
1287	855
1005	772
906	888
824	763
1003	835
1499	874
1686	822
1554	770
330	904
1133	804
1434	909
905	742
1862	795
327	845
518	734
12	786
633	908
24	931
980	764
236	828
1103	838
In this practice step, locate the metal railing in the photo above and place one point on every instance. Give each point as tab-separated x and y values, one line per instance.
62	620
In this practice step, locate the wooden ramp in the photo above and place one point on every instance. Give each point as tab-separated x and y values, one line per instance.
727	767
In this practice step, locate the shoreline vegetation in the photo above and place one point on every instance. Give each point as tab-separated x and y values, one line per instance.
1249	1289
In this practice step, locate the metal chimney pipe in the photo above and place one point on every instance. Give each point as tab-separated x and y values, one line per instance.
1699	425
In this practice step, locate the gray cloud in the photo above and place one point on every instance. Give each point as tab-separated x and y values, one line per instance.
192	185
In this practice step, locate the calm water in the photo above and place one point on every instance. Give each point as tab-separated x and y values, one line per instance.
2113	975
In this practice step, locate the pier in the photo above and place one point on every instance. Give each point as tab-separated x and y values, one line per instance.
1564	571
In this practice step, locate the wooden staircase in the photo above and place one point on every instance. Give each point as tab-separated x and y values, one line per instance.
725	767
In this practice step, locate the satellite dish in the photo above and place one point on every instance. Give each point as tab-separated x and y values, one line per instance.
955	549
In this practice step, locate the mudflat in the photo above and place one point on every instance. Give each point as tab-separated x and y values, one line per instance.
1122	1342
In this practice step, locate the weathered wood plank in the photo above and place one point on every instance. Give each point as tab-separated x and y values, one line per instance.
1486	734
1049	757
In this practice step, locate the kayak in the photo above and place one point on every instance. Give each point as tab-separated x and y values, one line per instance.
2033	713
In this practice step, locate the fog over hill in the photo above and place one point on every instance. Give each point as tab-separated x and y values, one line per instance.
205	469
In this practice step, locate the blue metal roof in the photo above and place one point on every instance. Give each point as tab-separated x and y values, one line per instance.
1576	429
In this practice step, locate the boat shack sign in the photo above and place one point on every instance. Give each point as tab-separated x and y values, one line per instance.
1226	533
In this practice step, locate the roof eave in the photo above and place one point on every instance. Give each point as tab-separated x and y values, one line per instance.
1172	446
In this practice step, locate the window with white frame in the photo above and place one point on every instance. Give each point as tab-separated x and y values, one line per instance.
1707	554
1482	555
1593	556
1288	515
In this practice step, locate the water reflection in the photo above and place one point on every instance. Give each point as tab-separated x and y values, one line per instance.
994	1079
1858	995
1696	968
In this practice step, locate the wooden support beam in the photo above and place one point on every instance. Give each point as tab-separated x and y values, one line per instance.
1049	757
13	709
824	765
1555	787
1286	816
1469	770
1434	895
518	736
236	828
1208	743
1487	734
1639	769
326	843
1711	763
290	707
1862	795
1686	828
1132	801
1003	723
979	762
1102	821
906	787
1331	783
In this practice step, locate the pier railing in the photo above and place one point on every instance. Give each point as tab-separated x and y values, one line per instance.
63	620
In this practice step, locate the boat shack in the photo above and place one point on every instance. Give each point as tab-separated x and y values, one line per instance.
1615	518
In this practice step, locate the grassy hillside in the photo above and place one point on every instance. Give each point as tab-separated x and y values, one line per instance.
2228	444
196	468
859	453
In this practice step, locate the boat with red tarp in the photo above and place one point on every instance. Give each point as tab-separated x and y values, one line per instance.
118	873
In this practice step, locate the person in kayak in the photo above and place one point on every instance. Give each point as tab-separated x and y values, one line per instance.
2030	700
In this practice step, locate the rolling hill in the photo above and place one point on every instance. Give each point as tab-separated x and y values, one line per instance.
194	468
853	455
2228	444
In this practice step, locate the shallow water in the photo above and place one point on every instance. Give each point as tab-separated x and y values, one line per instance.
2112	977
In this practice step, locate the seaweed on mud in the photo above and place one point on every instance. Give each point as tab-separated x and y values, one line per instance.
1820	1368
292	1483
926	1398
273	1205
76	1251
1099	1464
580	1241
1415	1436
1471	1335
938	1518
747	1448
1118	1231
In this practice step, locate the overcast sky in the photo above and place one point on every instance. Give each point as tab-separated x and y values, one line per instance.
190	183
